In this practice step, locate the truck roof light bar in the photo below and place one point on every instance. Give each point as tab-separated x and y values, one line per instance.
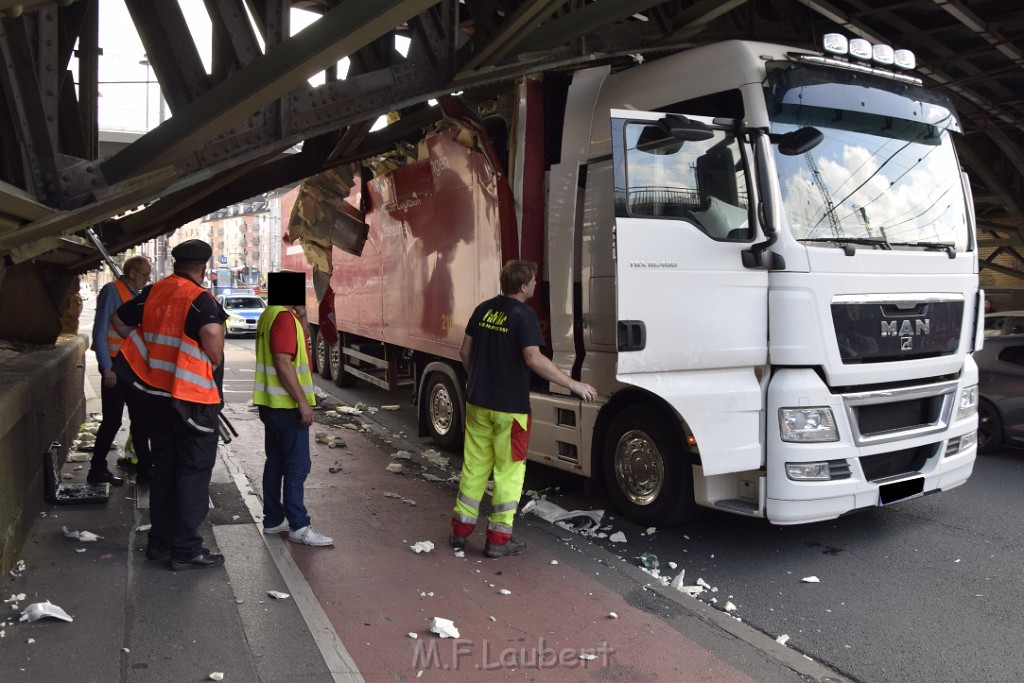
859	48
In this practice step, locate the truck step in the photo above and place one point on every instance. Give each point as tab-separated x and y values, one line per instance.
743	507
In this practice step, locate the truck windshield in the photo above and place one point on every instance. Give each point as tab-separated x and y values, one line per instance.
886	172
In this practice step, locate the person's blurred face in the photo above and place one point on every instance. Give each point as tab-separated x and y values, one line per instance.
139	277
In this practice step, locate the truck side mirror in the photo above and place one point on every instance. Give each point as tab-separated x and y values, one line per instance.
682	128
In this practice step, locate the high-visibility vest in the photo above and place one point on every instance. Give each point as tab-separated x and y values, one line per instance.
158	350
267	388
113	338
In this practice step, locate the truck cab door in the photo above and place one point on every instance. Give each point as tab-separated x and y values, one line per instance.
692	320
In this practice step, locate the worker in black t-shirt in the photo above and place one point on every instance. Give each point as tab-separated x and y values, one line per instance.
500	349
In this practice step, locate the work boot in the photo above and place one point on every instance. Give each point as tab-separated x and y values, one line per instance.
509	547
457	542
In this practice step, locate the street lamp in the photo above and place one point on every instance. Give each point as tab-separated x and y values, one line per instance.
145	62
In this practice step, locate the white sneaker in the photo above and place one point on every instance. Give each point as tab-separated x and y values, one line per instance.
283	526
309	536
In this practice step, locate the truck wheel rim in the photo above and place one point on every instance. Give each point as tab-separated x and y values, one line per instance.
441	409
639	467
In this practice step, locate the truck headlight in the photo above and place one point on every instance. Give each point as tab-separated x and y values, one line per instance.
804	425
968	402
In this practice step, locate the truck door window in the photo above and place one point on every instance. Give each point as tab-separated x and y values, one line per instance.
703	183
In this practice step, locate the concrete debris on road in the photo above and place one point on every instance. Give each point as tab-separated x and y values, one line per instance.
422	547
278	595
811	579
83	536
394	468
444	627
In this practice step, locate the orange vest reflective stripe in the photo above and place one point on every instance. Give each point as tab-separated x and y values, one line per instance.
113	338
158	350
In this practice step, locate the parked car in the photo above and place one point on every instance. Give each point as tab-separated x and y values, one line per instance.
1003	323
243	312
1001	385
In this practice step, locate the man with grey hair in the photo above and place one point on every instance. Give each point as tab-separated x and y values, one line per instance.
114	391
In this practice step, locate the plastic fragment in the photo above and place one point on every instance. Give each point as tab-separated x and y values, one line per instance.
278	595
39	610
444	627
422	547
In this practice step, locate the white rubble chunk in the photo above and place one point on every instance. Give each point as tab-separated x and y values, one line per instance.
413	635
702	582
217	676
783	639
504	591
651	530
83	536
431	477
395	468
811	579
423	547
389	494
144	527
554	561
677	582
617	537
613	615
409	501
587	656
729	607
278	595
444	627
39	610
390	407
346	410
401	455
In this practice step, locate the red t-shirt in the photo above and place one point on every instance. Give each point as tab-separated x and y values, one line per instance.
282	335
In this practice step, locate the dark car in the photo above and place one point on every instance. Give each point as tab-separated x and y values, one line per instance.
1001	385
243	311
1003	323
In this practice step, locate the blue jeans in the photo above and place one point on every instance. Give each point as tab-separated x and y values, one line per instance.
286	468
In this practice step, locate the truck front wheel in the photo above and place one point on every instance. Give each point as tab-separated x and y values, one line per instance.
646	468
443	412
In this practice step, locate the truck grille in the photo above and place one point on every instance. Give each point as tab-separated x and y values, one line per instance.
888	417
896	463
875	331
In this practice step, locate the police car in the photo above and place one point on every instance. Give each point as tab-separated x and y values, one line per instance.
243	309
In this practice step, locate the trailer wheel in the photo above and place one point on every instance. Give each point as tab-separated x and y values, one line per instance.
646	469
314	362
322	353
443	412
341	378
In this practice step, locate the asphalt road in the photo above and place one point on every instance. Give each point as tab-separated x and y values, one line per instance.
928	590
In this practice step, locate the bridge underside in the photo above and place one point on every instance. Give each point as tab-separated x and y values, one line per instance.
255	123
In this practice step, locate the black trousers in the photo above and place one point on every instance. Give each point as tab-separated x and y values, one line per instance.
179	494
113	401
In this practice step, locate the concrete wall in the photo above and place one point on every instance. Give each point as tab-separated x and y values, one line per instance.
42	399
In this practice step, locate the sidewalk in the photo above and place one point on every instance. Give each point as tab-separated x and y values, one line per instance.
544	615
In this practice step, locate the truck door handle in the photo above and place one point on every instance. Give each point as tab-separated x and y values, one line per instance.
632	335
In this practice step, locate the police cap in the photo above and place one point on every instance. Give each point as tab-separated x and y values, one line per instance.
194	251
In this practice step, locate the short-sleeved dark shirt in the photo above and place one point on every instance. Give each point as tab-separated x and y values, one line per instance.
204	311
499	378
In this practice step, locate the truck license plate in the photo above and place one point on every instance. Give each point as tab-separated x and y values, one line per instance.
900	490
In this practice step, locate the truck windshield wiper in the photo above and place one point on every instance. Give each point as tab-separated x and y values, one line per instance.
848	242
947	247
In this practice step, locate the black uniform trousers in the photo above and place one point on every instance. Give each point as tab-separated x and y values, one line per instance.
179	495
113	400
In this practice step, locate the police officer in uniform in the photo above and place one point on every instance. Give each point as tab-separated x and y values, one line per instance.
173	347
